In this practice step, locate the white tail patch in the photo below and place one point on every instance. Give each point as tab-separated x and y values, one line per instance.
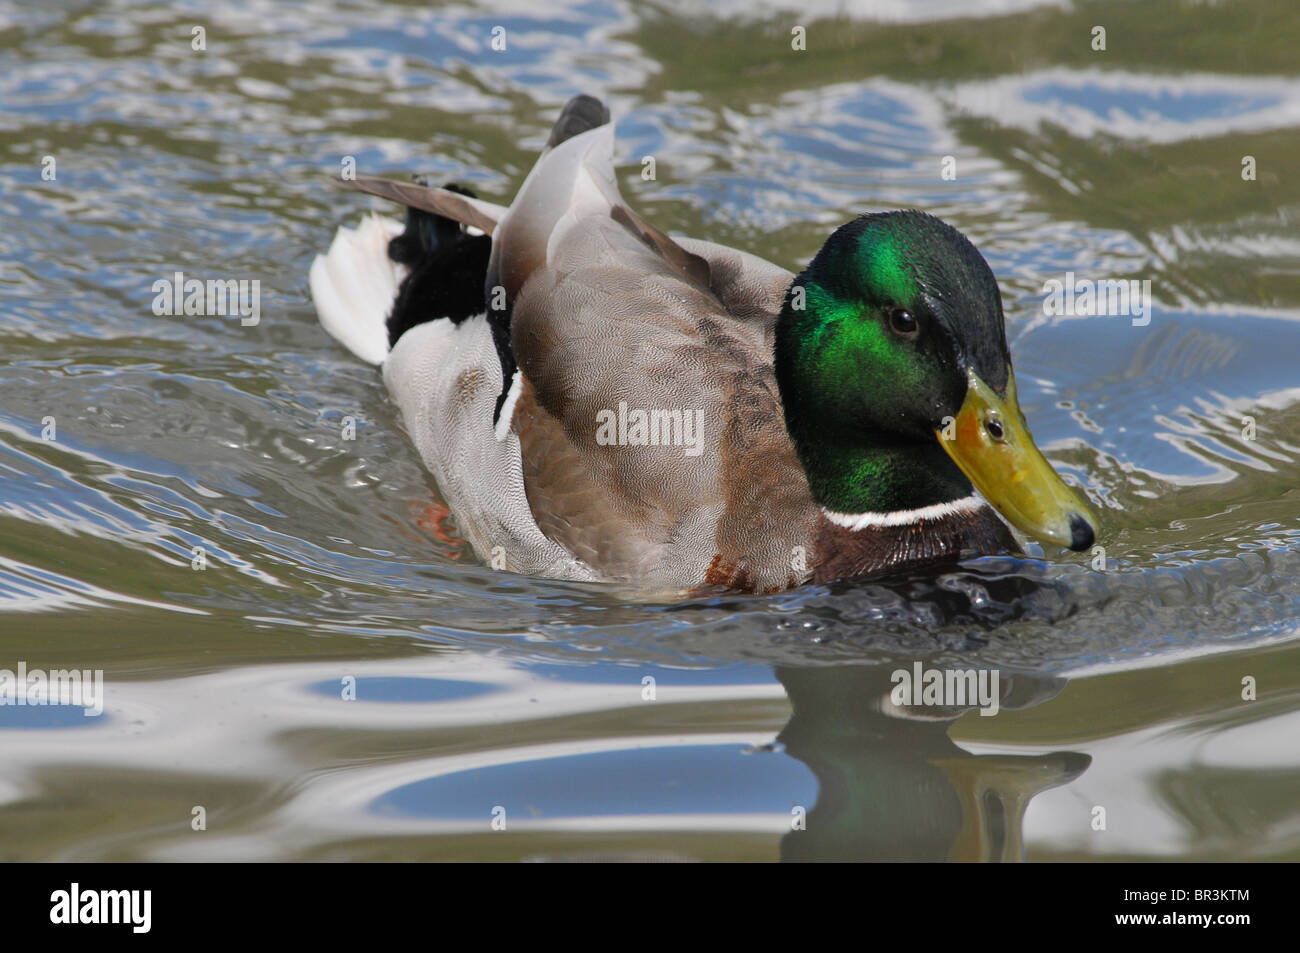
355	284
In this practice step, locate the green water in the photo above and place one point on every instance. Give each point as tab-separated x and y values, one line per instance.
769	734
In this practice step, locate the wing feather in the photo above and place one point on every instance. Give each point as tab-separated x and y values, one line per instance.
461	208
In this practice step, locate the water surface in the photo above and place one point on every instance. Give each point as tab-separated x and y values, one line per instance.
481	695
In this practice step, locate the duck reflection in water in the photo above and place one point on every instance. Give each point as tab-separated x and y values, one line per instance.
893	786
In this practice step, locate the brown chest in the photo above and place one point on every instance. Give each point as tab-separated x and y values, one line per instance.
844	552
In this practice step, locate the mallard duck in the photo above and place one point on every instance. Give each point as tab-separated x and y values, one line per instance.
600	401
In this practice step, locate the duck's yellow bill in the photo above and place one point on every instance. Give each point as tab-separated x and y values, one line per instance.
990	442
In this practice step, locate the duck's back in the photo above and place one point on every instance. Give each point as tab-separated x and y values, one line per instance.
612	412
652	440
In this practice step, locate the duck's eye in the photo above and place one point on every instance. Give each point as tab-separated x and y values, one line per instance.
903	322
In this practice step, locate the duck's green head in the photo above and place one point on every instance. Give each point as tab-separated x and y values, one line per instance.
891	356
